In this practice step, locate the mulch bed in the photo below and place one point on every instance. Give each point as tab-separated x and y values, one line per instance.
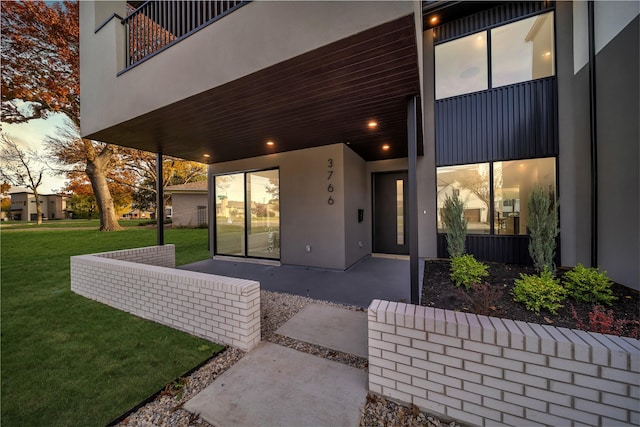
438	291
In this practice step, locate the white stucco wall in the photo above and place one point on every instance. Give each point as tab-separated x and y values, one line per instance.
256	36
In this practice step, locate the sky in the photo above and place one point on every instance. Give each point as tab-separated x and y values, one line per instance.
33	134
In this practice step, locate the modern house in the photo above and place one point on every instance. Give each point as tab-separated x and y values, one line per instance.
189	204
23	206
340	127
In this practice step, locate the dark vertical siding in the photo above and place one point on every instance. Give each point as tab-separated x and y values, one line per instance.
492	248
489	18
511	122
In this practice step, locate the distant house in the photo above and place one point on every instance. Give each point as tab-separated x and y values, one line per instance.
138	214
189	204
23	206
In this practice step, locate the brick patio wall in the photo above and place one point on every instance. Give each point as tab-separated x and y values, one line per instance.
143	282
488	371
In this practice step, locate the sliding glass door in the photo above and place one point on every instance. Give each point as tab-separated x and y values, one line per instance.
248	214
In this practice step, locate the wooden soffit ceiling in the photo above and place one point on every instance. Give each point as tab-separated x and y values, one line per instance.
322	97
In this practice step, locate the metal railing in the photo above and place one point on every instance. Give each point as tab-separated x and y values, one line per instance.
156	25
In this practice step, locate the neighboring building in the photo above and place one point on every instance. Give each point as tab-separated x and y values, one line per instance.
138	214
345	124
189	204
23	206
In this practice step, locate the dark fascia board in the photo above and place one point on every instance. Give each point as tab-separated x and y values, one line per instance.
451	10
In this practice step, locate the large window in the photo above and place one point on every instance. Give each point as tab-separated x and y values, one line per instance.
471	184
506	202
461	66
248	214
518	52
522	51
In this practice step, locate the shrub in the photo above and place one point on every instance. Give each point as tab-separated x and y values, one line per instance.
543	229
455	224
604	322
482	298
466	270
589	285
539	292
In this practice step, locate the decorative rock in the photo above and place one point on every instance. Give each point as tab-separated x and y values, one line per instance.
276	309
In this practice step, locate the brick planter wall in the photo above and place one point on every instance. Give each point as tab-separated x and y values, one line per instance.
488	371
142	282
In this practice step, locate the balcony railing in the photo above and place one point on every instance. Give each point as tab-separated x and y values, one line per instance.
156	25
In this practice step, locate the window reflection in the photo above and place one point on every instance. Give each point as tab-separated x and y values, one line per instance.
471	184
523	50
230	206
513	182
248	214
461	66
263	233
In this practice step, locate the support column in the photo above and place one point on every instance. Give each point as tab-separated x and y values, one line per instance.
159	199
412	145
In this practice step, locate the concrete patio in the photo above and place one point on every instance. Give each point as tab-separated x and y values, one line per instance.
374	277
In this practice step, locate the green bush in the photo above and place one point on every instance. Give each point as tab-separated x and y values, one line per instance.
589	285
539	292
466	271
543	229
455	224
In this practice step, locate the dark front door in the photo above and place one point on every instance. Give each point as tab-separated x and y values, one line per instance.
389	213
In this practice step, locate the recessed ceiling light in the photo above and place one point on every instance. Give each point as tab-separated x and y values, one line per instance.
434	20
206	155
372	124
386	147
270	143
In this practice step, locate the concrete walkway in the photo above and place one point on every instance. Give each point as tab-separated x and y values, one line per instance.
330	327
278	386
372	278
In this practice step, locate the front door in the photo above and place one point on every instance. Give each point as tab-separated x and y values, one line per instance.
389	213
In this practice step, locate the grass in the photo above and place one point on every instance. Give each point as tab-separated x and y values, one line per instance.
67	360
67	223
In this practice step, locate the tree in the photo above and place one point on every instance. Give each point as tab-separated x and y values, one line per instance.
455	224
5	205
543	228
40	76
139	172
17	167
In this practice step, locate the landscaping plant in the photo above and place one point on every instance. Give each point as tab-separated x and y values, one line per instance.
482	298
466	271
589	285
604	322
539	292
543	229
455	224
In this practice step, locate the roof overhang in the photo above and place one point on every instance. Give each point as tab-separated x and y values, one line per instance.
322	97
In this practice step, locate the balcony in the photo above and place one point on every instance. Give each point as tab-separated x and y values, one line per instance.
156	25
222	77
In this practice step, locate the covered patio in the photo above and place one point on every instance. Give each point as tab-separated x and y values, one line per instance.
375	277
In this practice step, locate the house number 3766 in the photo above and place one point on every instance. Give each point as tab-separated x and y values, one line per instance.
330	184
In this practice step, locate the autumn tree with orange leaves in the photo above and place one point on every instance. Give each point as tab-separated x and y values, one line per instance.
40	76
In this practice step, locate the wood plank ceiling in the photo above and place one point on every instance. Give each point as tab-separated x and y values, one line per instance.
322	97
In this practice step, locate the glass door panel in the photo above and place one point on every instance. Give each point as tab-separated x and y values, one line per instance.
263	225
230	214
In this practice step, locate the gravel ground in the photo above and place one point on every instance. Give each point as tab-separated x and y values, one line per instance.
276	309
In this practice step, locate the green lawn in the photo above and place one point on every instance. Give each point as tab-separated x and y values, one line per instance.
67	360
67	223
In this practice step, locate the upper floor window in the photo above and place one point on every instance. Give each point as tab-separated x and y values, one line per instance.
522	51
517	52
461	66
